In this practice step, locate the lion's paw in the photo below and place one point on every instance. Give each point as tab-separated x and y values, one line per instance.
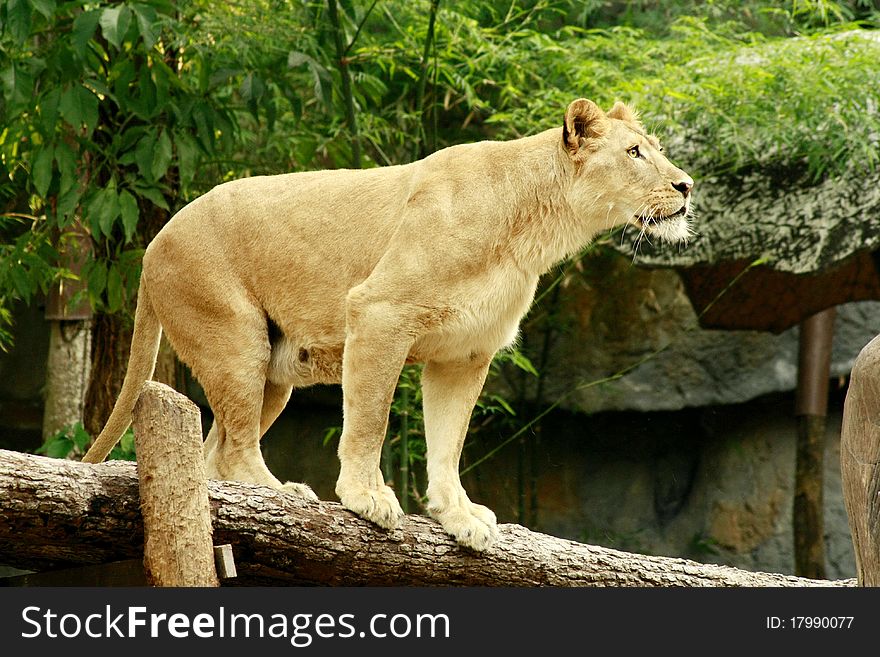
473	526
376	505
300	490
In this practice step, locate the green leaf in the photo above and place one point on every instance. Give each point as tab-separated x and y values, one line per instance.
41	171
114	290
83	30
18	20
66	159
161	156
522	362
57	448
21	282
101	211
153	194
17	88
127	442
114	23
109	211
187	157
79	107
124	73
503	404
143	155
145	105
67	204
96	278
45	7
129	209
147	21
48	105
203	117
252	89
81	437
295	59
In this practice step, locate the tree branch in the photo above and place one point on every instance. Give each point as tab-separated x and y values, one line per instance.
56	513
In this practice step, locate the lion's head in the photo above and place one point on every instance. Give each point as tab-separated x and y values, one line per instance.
631	181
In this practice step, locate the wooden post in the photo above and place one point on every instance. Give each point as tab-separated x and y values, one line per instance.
173	489
70	338
814	370
860	462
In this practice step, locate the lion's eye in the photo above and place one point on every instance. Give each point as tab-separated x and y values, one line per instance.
633	152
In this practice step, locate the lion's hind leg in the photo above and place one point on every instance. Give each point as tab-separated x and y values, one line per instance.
227	349
275	397
223	462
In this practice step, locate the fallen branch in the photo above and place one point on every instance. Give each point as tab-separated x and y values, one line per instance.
58	514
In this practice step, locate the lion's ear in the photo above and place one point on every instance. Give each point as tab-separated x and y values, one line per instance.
623	112
584	122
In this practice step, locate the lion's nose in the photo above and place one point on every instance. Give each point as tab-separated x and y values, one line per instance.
684	186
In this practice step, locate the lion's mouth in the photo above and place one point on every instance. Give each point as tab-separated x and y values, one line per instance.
648	219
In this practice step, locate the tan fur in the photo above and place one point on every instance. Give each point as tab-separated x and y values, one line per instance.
361	271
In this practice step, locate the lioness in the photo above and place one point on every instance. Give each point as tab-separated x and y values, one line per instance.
270	283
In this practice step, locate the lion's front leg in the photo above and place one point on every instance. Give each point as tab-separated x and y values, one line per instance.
375	351
450	391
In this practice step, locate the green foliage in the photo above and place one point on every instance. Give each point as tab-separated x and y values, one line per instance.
104	124
74	441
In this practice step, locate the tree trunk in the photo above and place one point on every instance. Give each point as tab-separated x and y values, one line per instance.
860	462
67	374
111	340
60	513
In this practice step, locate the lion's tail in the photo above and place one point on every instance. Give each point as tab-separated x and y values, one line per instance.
141	363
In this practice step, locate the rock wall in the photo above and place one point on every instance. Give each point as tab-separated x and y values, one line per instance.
612	315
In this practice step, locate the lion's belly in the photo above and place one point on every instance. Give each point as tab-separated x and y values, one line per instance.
486	321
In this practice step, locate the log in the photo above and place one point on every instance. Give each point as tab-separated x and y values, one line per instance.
56	513
178	550
860	462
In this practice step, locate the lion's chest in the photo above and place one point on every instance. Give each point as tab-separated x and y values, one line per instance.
485	317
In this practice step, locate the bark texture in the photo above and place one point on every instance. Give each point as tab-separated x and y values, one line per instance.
57	513
111	338
173	489
67	374
860	462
